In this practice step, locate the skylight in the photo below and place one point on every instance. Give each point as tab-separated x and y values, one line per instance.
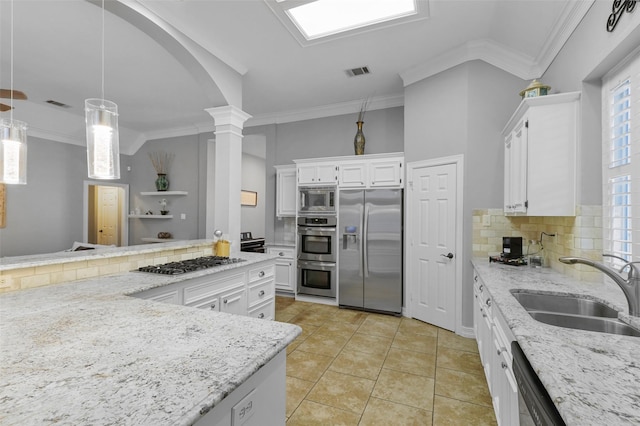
320	20
326	17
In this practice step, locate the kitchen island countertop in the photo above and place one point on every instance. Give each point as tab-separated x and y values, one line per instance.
593	378
87	352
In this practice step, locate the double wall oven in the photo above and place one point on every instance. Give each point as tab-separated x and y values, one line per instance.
317	255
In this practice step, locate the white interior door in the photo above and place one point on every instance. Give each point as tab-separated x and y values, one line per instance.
432	219
108	215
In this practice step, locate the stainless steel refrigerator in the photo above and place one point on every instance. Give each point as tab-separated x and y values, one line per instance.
370	249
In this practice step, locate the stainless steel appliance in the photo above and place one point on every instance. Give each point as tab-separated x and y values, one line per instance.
370	253
534	403
317	239
314	200
190	265
317	254
317	278
250	244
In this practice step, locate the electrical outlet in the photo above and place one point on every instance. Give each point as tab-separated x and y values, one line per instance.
486	220
5	282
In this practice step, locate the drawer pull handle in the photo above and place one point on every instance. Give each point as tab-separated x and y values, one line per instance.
481	287
488	302
261	293
504	365
281	253
261	274
475	278
235	299
213	306
262	316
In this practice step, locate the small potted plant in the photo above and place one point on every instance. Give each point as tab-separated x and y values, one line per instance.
163	206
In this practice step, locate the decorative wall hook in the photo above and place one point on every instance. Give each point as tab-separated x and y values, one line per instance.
619	7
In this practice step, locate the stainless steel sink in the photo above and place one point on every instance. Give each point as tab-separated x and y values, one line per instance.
581	322
564	310
565	304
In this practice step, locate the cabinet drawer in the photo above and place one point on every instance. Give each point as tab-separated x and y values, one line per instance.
260	273
264	311
282	252
211	303
196	293
234	301
262	291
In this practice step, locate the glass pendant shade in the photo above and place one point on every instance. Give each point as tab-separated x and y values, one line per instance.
13	152
103	147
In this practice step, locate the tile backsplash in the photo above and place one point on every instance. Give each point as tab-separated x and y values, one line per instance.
574	236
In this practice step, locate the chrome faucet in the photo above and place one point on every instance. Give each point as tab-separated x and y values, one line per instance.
630	286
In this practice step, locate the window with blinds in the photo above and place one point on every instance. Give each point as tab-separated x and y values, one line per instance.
621	162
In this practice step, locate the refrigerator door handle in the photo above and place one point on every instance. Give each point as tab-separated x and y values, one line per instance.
365	241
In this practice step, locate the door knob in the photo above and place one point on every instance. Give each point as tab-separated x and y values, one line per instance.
450	255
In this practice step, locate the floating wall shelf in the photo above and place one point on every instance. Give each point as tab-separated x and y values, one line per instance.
150	216
165	193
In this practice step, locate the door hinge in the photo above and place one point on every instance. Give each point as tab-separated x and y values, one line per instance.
410	184
526	204
526	124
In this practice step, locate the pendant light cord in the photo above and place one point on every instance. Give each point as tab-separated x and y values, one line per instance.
11	75
102	82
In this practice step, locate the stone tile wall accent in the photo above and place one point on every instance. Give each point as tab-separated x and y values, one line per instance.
23	278
575	236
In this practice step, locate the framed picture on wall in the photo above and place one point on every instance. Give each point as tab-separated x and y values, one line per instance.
248	198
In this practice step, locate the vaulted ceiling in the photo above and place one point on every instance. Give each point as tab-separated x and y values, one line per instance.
57	56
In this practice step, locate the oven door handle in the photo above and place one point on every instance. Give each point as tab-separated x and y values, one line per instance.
315	265
318	229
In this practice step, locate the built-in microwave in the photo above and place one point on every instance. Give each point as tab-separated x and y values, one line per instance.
317	200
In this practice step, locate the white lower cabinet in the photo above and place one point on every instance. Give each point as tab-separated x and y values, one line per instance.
261	400
285	268
494	345
238	291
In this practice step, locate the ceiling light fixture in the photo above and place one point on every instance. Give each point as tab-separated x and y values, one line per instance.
103	147
13	133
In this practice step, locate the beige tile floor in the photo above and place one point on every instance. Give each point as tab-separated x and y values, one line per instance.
356	368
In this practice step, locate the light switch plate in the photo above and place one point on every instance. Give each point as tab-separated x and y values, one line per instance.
183	216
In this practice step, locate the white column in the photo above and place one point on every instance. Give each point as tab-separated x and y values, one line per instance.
224	174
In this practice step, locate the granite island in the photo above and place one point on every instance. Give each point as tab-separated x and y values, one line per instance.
593	378
87	352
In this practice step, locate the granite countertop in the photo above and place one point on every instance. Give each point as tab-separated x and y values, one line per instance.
593	378
87	353
14	262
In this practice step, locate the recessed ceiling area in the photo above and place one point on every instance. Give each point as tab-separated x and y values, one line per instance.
56	57
321	19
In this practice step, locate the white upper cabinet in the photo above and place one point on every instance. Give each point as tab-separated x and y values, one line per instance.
540	156
317	174
371	172
286	191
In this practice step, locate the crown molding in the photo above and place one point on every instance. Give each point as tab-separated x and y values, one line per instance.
380	102
509	60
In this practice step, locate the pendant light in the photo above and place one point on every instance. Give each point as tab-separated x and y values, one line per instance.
13	134
101	117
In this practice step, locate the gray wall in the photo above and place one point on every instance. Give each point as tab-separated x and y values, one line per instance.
184	175
253	179
45	215
463	111
323	137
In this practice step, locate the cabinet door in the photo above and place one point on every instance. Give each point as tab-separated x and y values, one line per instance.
234	301
306	174
284	275
385	173
519	166
286	193
508	202
352	175
326	173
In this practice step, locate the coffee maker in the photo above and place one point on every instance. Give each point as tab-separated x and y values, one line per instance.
511	252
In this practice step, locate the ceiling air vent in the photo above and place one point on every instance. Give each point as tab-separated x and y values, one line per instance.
58	104
354	72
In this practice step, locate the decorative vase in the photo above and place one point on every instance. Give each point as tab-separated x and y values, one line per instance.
162	183
358	141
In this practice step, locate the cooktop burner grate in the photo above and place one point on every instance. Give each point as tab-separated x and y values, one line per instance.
190	265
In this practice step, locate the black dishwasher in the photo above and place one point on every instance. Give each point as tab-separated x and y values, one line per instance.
534	403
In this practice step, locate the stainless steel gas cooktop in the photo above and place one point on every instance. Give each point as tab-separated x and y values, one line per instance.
190	265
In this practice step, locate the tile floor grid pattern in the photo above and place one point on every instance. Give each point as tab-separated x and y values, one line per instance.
350	367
